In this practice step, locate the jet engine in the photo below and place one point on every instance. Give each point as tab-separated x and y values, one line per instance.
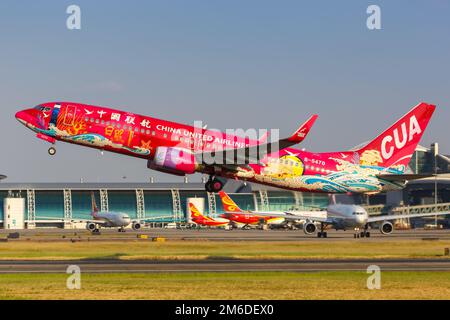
136	226
309	228
173	160
91	226
386	227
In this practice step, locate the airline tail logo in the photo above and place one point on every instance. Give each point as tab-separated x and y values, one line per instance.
388	146
194	211
395	146
228	204
302	133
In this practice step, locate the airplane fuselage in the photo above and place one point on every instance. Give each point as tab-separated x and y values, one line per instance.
112	219
171	147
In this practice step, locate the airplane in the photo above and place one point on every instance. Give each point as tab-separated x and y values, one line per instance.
245	218
381	165
341	217
198	218
109	219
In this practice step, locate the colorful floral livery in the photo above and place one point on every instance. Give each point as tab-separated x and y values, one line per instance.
181	149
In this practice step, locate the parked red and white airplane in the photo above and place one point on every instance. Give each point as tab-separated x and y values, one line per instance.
198	218
180	149
245	218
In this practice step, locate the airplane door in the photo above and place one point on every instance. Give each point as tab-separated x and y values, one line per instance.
69	115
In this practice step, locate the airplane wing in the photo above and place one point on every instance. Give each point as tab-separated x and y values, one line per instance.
72	220
405	216
229	158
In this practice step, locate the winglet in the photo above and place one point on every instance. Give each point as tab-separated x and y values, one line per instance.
228	204
303	131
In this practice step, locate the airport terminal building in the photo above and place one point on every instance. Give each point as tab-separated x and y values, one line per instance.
49	204
55	204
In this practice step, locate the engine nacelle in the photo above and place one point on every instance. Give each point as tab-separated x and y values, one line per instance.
386	227
91	226
136	226
173	160
309	228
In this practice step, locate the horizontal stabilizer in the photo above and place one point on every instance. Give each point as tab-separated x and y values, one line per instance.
403	177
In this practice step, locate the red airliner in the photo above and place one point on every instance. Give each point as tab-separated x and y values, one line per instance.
198	218
181	149
247	218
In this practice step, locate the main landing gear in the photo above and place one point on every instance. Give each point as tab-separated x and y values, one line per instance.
321	233
213	185
52	151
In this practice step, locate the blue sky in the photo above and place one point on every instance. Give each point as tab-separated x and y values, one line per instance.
232	64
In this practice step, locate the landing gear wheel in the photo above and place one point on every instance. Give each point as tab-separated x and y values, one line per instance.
52	151
213	185
319	234
324	235
362	234
367	234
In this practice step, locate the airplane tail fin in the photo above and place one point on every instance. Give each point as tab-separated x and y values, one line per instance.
395	146
194	212
228	204
94	208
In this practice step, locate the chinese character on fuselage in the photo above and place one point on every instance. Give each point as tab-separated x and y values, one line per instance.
101	113
130	120
145	123
115	116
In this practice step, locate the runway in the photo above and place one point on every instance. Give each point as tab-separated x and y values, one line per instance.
219	235
222	265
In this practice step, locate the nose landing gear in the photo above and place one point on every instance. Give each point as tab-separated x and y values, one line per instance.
362	234
213	185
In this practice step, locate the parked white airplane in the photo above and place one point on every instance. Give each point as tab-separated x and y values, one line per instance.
343	217
109	219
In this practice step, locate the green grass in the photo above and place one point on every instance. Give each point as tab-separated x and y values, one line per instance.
230	249
224	286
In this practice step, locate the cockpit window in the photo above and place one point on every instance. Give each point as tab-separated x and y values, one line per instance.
42	108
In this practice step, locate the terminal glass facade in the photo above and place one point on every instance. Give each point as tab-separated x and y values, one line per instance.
82	205
49	204
3	195
158	204
123	201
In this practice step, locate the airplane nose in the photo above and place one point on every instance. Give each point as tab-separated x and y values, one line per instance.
23	117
